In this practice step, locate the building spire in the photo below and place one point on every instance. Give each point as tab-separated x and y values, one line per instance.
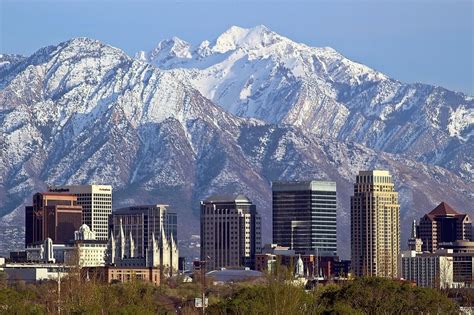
131	246
111	249
413	230
121	241
299	267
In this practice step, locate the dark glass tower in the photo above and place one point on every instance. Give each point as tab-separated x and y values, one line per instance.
304	216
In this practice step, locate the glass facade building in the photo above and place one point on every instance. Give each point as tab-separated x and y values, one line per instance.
304	216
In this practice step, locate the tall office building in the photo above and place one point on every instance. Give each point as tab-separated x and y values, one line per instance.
443	224
230	232
304	216
142	222
54	216
96	202
375	225
144	236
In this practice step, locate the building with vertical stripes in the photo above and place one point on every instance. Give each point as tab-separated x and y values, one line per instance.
375	225
52	215
230	232
96	202
304	216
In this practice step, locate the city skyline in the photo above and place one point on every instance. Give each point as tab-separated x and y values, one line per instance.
143	235
66	192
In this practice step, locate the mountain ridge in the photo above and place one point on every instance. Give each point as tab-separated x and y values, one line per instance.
261	74
84	112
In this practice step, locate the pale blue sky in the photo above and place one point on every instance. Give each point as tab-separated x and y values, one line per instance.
428	41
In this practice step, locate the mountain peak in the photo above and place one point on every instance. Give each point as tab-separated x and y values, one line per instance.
169	48
84	46
239	37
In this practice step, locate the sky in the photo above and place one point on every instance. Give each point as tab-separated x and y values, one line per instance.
429	41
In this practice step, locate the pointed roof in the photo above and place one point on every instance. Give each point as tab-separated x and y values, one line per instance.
413	230
443	209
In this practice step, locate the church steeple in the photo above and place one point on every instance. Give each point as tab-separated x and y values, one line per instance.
413	230
121	240
414	243
111	250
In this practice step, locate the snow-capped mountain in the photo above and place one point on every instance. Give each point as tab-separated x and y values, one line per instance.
85	112
261	74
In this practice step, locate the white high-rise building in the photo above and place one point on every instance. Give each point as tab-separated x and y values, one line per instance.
96	202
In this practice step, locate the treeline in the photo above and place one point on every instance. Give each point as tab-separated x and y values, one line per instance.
361	296
271	296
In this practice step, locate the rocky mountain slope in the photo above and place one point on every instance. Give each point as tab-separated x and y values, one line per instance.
85	112
261	74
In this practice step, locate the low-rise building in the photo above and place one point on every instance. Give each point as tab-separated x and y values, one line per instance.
84	251
127	274
432	270
314	266
342	269
463	261
31	272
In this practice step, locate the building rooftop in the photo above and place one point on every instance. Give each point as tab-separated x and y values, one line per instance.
374	173
304	185
443	209
228	198
138	209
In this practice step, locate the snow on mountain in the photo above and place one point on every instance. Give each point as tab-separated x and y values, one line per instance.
85	112
258	73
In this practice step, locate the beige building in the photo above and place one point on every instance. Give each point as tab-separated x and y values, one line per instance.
375	225
128	274
96	202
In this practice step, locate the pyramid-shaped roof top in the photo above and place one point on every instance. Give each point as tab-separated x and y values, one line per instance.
443	209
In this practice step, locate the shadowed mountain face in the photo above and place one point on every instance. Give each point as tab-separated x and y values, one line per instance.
85	112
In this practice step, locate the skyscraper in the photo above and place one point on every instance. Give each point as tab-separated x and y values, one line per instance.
304	216
96	202
230	232
144	236
375	225
142	222
443	224
54	216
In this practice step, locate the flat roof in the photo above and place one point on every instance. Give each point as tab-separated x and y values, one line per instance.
138	209
228	198
375	173
315	185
